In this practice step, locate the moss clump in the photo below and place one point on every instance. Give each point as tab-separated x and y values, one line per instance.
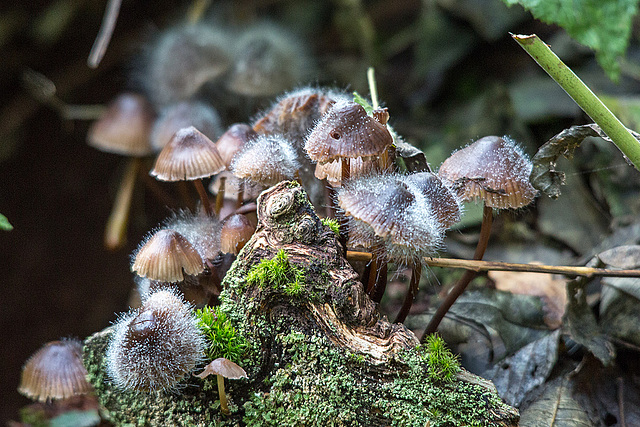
442	364
332	224
279	273
222	338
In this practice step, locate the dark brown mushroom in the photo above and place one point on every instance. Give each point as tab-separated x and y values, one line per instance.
55	371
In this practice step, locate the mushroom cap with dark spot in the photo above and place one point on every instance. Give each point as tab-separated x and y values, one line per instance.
492	169
166	256
346	131
124	128
190	155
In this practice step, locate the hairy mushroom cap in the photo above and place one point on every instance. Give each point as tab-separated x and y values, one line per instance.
198	114
444	203
182	60
166	256
267	160
154	347
346	131
201	231
492	169
55	371
384	208
223	367
295	113
190	155
236	232
267	61
125	126
233	140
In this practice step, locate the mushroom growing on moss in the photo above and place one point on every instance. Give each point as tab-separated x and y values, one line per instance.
154	347
223	368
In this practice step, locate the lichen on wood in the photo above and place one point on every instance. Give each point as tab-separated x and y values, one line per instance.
324	356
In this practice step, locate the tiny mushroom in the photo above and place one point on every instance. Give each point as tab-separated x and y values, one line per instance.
174	117
266	160
124	129
55	371
223	368
189	156
166	256
236	232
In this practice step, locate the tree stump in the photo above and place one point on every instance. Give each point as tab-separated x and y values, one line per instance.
320	352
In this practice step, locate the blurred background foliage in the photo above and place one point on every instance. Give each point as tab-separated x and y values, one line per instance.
447	69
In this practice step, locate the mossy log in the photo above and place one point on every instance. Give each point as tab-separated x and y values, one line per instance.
320	352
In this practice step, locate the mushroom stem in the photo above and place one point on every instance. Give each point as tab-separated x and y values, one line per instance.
371	278
204	198
104	35
224	407
116	228
220	195
416	272
467	277
381	278
240	197
342	218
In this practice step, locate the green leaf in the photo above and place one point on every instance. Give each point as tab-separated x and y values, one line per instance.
4	223
362	101
603	25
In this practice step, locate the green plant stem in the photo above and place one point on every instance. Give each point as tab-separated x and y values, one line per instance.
467	277
582	95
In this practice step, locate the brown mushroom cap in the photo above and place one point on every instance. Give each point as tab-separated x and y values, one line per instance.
236	232
346	131
189	155
493	169
125	126
55	372
332	171
233	140
223	367
384	208
443	202
266	160
198	114
165	256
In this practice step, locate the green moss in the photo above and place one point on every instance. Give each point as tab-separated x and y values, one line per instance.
223	339
442	364
322	385
279	273
332	224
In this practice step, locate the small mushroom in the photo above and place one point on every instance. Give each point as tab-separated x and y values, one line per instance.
174	117
55	371
166	256
124	129
189	156
223	368
493	170
236	232
266	160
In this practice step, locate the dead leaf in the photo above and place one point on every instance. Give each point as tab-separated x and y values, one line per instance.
528	368
552	291
555	407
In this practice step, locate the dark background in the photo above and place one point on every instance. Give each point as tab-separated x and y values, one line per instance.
56	278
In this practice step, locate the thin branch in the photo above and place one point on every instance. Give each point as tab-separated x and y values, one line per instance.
507	266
